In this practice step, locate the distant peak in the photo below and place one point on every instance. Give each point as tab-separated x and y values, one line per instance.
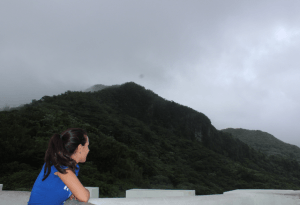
98	87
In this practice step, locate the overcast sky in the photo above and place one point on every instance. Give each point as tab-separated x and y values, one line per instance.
235	61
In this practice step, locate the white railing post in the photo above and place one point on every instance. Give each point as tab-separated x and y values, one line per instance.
94	191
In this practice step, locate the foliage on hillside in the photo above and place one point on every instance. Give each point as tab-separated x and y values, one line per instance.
137	140
266	143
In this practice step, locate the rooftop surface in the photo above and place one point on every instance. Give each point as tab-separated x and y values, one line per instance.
236	197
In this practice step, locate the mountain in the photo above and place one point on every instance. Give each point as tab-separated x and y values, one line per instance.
137	140
265	143
98	87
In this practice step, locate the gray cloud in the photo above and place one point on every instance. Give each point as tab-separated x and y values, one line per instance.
235	61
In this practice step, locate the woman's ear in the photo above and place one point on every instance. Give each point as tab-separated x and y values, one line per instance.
80	147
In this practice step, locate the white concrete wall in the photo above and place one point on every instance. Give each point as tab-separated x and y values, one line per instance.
134	193
236	197
94	191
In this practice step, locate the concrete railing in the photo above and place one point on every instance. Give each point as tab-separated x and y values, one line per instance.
94	191
140	193
146	197
235	197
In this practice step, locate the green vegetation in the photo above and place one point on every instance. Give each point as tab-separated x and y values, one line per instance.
137	140
265	143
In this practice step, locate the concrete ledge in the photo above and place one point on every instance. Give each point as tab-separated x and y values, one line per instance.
235	197
140	193
14	197
22	197
94	192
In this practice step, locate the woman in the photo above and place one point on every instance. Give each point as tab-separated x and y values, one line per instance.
58	180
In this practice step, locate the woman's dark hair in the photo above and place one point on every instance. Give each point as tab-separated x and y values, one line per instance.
60	149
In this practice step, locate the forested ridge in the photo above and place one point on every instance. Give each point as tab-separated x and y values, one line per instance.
137	140
265	143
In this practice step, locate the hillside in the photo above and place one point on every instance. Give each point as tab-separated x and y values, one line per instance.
137	140
265	143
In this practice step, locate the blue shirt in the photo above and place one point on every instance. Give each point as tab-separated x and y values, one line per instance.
50	191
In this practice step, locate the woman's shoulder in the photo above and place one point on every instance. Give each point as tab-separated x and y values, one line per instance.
66	168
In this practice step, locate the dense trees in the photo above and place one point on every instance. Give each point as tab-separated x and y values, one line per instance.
137	140
265	143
